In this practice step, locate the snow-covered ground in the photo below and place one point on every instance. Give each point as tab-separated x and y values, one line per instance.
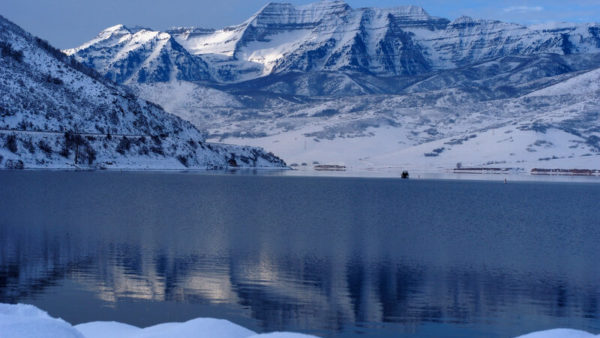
27	321
559	333
506	147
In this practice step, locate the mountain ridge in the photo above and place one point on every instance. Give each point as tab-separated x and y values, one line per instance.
332	36
391	81
57	113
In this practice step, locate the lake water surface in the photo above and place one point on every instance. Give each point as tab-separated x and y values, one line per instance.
328	256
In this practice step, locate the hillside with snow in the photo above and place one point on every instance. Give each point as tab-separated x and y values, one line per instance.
373	88
57	113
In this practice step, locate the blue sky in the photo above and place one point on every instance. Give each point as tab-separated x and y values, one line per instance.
68	23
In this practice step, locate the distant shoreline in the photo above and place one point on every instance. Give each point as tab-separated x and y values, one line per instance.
350	173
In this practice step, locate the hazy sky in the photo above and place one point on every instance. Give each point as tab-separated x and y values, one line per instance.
68	23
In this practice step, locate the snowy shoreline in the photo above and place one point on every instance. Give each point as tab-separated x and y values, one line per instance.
447	175
23	321
389	173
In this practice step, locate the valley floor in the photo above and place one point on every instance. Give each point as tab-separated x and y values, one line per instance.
508	149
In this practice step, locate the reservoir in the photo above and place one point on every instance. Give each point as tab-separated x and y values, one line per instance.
329	256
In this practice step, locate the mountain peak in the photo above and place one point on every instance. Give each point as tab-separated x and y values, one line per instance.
281	13
332	3
411	10
322	6
120	30
114	28
463	20
116	32
327	5
330	35
108	34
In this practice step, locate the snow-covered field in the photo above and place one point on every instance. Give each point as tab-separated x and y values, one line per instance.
385	149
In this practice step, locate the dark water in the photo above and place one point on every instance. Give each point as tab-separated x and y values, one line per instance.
327	256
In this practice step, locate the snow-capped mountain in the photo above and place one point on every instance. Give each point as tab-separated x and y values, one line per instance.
140	55
393	85
329	36
57	113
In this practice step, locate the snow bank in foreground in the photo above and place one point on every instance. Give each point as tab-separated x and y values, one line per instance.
24	321
559	333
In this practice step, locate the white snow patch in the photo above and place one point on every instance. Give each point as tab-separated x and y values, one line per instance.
268	53
559	333
24	321
199	327
220	42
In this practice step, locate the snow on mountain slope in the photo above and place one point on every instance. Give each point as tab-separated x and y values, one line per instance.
57	113
321	36
129	55
586	83
466	40
328	36
363	131
359	131
311	82
186	99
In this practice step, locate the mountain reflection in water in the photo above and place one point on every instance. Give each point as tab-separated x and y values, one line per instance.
321	255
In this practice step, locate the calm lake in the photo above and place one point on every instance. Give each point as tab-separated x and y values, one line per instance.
328	256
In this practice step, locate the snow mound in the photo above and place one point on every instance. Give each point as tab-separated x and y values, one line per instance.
102	329
199	327
26	321
23	321
559	333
